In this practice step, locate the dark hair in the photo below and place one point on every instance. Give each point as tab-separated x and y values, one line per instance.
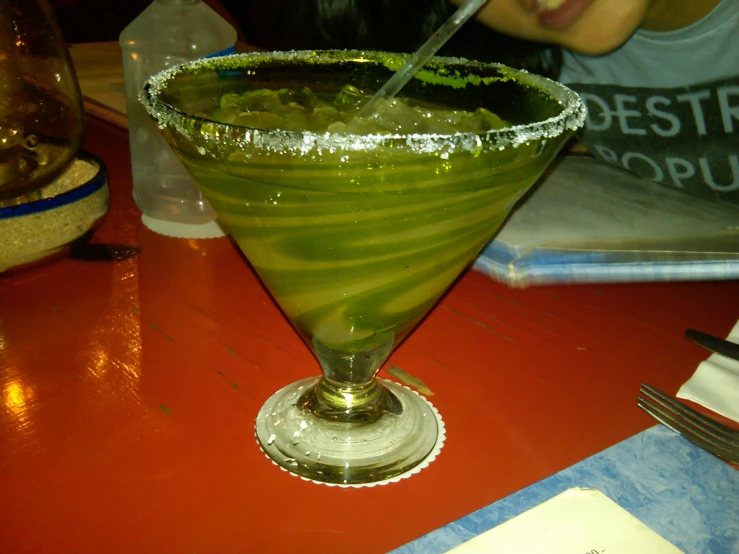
402	26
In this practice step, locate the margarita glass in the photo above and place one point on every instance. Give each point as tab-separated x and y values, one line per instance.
356	236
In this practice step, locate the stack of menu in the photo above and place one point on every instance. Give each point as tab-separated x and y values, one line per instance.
587	221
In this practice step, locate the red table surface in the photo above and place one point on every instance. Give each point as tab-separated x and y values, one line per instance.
130	391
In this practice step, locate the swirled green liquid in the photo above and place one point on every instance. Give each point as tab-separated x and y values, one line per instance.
356	248
357	230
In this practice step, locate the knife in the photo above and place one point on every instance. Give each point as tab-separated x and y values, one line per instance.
90	252
714	344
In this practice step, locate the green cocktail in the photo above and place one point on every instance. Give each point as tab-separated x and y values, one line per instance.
356	236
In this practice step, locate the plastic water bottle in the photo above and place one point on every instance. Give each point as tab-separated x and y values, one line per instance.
166	33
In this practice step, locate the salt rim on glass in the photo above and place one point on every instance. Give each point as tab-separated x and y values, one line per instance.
304	143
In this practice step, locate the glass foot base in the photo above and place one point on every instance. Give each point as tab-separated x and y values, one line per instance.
347	453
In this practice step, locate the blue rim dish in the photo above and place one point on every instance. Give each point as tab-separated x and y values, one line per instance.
97	182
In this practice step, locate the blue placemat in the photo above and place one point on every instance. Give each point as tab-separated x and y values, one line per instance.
683	493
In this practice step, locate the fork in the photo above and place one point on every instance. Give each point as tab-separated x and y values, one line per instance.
712	436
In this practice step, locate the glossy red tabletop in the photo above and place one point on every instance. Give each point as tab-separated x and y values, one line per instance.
130	391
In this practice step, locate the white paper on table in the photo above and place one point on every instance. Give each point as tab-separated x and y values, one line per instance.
715	383
576	521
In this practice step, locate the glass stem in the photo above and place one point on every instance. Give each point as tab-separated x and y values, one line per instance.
348	390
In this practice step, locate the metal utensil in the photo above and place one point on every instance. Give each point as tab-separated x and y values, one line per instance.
89	252
712	436
714	344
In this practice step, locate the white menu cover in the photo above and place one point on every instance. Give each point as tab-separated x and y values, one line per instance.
576	521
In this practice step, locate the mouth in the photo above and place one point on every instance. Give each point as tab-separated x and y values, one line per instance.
558	14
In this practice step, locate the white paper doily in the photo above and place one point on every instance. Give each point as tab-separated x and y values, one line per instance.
208	230
430	457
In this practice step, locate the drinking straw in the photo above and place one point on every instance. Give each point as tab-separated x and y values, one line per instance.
417	60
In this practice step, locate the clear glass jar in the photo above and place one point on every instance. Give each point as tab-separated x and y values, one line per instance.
41	113
166	33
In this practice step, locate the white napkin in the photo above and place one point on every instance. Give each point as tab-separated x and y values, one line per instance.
715	384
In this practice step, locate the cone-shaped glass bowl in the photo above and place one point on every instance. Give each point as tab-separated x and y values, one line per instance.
357	236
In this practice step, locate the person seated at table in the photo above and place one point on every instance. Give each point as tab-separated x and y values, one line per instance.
389	25
660	78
